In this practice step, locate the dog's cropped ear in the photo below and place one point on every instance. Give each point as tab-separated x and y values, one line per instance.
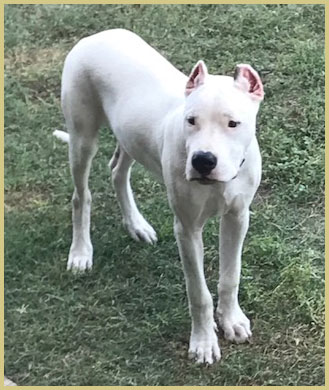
247	79
197	77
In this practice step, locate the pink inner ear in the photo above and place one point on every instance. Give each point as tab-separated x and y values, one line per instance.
192	80
255	83
196	77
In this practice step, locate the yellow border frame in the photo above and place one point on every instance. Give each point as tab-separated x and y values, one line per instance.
2	4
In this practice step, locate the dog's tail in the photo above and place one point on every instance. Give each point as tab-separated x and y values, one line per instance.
62	135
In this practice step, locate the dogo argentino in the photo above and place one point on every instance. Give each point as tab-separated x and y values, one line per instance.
196	133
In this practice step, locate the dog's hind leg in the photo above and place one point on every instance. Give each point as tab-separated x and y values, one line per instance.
82	148
139	229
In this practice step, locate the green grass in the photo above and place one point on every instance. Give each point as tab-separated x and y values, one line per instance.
127	322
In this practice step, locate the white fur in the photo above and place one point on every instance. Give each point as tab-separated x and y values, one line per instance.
62	135
115	78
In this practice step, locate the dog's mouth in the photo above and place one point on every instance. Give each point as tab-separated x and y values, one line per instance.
204	180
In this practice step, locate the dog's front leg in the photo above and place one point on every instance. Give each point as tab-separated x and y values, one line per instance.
203	341
235	324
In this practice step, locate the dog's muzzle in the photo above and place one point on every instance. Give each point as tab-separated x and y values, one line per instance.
204	163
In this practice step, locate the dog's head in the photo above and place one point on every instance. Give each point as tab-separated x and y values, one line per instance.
219	122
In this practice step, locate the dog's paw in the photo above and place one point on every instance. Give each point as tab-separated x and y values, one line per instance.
204	347
80	261
140	230
235	324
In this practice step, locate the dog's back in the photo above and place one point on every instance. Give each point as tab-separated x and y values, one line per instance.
120	66
122	81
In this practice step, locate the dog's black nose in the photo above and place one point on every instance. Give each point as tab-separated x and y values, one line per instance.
204	162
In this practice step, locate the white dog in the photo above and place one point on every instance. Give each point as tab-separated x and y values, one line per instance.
196	133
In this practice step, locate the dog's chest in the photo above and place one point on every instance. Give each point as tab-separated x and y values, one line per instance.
217	202
207	201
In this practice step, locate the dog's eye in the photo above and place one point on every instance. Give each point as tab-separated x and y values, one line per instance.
191	120
233	124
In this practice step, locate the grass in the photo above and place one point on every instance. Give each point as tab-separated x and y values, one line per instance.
127	322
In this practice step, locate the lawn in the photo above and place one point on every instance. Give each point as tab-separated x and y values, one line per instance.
127	321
